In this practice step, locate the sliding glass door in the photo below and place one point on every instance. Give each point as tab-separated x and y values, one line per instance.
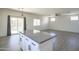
17	25
20	25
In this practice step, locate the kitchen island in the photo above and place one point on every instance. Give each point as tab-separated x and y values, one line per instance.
35	40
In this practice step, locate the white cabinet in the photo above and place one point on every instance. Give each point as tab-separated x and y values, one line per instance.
27	44
22	44
34	46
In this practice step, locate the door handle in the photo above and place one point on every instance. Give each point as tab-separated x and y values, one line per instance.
33	44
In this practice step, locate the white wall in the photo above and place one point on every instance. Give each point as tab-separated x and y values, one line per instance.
44	23
65	24
3	24
62	22
29	20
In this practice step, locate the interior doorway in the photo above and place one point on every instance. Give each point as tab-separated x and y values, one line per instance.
17	25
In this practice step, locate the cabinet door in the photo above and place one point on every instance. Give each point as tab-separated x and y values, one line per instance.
22	44
26	45
33	46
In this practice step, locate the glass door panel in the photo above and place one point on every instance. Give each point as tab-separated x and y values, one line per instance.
14	25
17	25
20	25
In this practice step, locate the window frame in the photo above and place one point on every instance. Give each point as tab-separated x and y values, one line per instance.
36	22
52	19
74	18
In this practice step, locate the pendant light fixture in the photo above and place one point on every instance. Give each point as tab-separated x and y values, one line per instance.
21	9
22	12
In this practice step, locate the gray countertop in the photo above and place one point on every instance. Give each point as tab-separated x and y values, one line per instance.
38	36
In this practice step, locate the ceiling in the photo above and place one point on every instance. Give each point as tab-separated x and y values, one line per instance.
49	11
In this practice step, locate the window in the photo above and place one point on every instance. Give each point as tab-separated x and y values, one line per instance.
52	19
74	17
36	22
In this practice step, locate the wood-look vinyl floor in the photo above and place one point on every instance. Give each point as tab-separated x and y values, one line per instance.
64	41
